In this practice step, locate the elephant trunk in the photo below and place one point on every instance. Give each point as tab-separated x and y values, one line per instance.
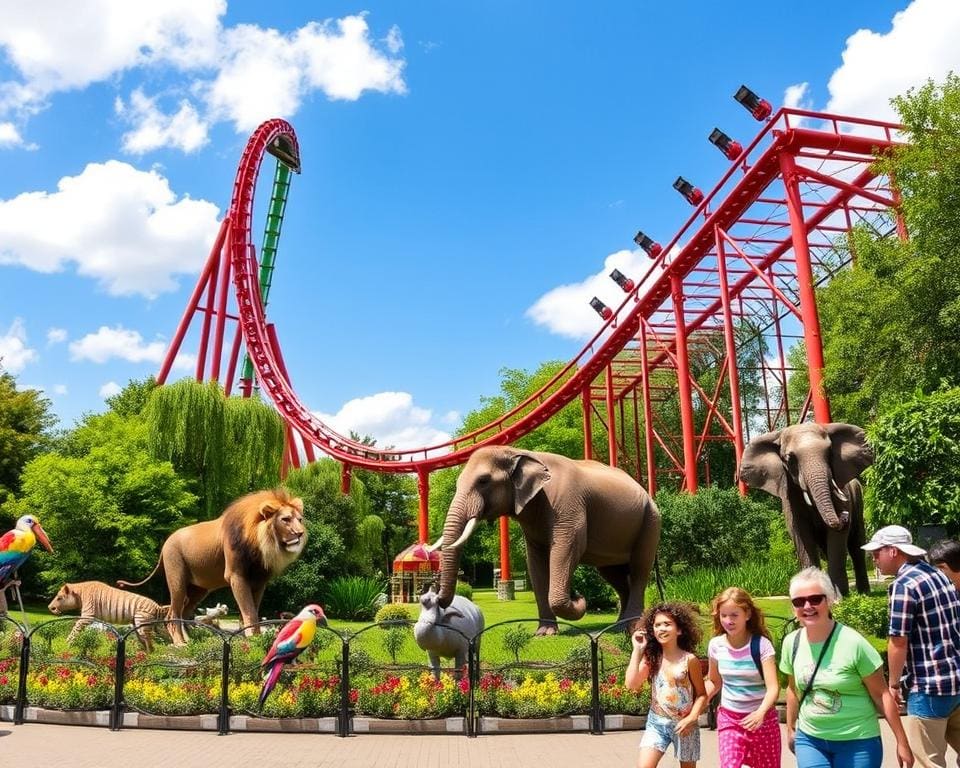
820	481
458	518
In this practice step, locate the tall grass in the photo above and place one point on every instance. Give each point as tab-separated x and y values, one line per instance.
353	598
701	585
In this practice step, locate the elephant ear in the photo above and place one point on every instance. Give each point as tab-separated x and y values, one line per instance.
761	465
529	476
850	453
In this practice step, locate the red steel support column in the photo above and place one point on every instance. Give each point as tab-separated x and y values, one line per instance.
205	326
505	548
587	423
224	279
232	365
346	475
209	270
683	386
808	301
647	412
611	421
423	515
636	434
733	373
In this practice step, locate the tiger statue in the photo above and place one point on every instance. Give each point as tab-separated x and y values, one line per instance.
98	601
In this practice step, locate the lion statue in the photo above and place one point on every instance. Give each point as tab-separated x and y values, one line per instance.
255	539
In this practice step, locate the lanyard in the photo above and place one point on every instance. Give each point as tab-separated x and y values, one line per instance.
823	652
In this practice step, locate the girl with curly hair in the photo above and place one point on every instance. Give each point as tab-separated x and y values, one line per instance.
664	653
743	669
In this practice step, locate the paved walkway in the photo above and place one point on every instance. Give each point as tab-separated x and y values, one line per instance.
34	744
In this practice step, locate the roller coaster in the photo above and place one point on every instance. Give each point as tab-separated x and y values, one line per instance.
751	253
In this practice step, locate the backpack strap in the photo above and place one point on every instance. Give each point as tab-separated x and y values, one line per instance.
796	647
755	653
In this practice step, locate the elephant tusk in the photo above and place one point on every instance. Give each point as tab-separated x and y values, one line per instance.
467	530
806	498
438	544
837	492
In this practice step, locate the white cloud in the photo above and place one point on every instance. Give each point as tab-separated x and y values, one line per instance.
10	137
797	96
124	227
390	417
153	129
56	336
921	45
60	389
108	343
566	310
264	73
243	73
15	355
110	389
56	47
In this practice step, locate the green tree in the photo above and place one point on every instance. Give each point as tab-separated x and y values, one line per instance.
892	322
25	423
132	399
227	446
106	503
915	478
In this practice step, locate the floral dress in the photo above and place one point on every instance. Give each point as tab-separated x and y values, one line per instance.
672	690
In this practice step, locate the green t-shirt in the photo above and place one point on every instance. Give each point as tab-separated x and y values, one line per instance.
838	708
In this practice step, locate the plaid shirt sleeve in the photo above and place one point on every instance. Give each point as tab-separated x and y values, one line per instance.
902	609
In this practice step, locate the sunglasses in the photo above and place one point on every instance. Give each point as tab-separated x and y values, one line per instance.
814	600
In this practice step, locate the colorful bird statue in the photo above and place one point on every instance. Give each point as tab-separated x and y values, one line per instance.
17	544
291	641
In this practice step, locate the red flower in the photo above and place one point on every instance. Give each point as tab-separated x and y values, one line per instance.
63	673
464	685
4	679
354	695
43	680
91	680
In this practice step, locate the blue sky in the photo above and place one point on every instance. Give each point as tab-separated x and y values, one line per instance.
471	173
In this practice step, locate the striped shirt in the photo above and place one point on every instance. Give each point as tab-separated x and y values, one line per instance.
743	687
925	608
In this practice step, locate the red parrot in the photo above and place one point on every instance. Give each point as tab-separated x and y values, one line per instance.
17	544
292	640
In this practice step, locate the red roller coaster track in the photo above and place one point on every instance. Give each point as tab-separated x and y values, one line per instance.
753	249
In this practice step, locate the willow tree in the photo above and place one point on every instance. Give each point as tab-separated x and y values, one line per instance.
226	445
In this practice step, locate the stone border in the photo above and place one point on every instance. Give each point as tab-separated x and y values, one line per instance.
363	724
534	724
283	724
206	722
91	717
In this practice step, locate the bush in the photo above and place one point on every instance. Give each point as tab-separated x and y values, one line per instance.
393	612
591	586
714	527
913	479
865	613
515	639
464	590
353	598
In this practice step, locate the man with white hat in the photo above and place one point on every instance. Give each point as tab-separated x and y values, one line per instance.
924	640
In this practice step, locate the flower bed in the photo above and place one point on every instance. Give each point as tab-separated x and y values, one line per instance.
172	696
535	696
310	696
407	697
617	699
60	687
9	678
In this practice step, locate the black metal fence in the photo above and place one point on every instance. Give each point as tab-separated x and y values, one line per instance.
218	672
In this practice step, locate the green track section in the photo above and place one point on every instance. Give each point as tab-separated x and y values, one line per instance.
271	241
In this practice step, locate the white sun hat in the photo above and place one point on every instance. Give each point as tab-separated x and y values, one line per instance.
894	536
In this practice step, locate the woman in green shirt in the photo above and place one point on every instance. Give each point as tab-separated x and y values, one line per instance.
835	685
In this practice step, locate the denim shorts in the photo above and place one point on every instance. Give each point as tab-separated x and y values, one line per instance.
930	707
661	732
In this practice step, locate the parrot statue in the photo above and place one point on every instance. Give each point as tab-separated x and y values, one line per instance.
291	641
17	544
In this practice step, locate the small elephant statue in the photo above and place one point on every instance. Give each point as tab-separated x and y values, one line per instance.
814	469
447	632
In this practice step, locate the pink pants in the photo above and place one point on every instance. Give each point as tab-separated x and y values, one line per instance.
738	747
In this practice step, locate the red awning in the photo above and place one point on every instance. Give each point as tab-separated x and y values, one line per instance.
416	557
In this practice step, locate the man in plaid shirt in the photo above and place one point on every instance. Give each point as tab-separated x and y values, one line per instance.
924	640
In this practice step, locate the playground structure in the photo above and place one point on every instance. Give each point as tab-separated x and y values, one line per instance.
750	255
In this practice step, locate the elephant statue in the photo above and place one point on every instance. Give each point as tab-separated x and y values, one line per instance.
446	633
570	512
815	470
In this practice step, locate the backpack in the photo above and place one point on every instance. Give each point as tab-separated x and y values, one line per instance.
755	653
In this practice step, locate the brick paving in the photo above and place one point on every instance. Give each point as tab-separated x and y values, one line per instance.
36	744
